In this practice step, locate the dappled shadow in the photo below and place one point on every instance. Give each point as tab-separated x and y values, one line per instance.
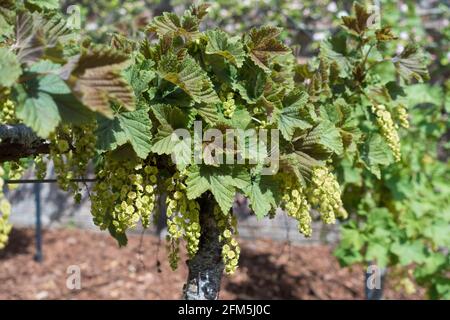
265	279
19	243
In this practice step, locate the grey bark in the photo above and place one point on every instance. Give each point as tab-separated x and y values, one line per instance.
206	268
19	141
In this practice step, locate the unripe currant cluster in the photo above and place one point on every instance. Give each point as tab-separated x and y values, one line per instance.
7	112
229	106
296	205
16	170
402	116
183	219
325	193
227	225
40	167
387	128
123	194
5	210
71	148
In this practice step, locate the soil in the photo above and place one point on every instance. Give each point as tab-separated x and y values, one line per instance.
268	270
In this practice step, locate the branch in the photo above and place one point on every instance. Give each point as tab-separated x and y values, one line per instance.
19	141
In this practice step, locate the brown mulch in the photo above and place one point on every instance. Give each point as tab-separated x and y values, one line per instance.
268	270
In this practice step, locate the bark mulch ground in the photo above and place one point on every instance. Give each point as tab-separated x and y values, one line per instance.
268	270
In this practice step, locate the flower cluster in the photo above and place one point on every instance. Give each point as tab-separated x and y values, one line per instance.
182	219
227	225
326	195
387	127
5	210
123	195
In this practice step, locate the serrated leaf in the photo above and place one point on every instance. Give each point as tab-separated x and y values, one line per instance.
171	116
37	34
189	76
219	180
259	202
328	52
250	83
99	56
196	183
359	23
44	4
264	45
221	44
165	141
200	10
375	153
137	128
10	68
330	137
288	118
385	34
223	190
410	64
300	164
109	134
139	75
208	112
40	113
98	87
170	25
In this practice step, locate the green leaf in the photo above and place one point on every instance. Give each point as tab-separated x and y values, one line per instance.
264	45
378	253
71	110
300	164
189	76
219	180
40	113
241	118
288	118
410	64
170	25
408	253
137	128
208	112
328	52
109	134
375	153
44	4
53	84
250	83
221	44
139	75
260	203
196	183
330	138
223	190
165	141
10	68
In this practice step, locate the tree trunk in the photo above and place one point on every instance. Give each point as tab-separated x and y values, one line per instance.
19	141
206	268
